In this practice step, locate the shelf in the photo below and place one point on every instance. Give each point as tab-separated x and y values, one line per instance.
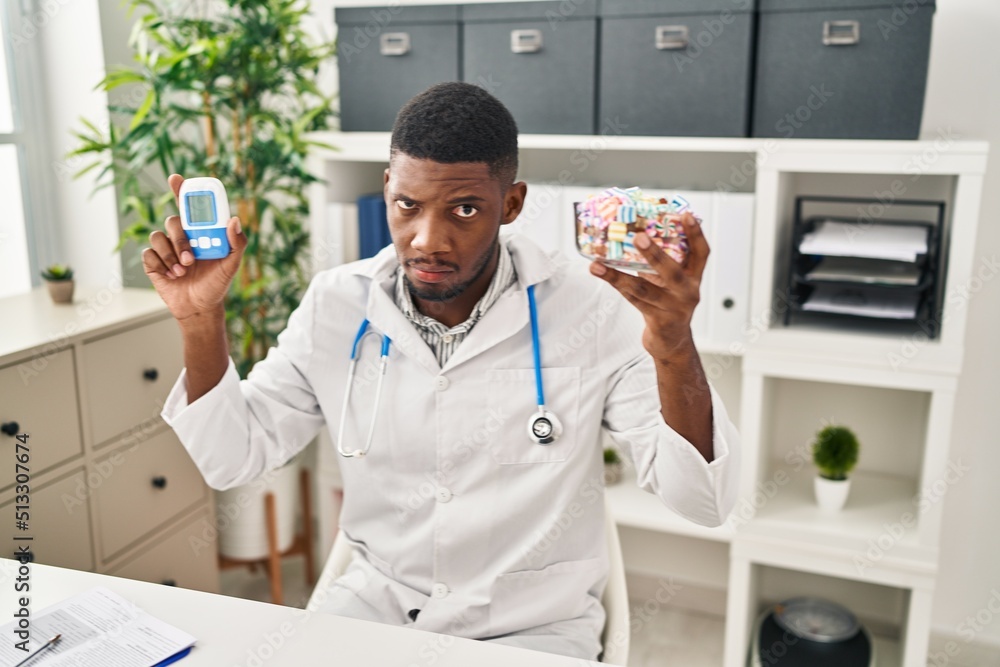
869	530
793	154
636	508
832	352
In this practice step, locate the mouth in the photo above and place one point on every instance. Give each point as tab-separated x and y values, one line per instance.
435	274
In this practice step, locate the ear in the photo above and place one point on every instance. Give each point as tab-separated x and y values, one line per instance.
514	202
385	177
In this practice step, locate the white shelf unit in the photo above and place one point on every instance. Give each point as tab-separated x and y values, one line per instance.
865	375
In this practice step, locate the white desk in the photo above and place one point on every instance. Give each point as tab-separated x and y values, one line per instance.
233	631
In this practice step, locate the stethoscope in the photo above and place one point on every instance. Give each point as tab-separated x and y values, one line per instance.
543	426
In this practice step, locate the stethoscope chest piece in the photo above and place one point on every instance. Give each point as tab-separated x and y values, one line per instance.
544	427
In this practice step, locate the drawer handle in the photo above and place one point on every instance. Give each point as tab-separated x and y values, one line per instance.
526	41
841	33
394	43
10	428
672	37
151	374
169	582
160	482
728	303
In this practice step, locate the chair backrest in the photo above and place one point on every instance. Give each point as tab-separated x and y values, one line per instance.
336	565
615	639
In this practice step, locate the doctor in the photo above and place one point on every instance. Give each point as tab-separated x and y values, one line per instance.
462	522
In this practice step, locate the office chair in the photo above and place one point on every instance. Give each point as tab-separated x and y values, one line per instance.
615	598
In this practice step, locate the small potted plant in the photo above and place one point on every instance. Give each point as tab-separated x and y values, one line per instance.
612	466
835	453
59	278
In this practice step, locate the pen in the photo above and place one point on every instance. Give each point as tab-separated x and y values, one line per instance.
35	654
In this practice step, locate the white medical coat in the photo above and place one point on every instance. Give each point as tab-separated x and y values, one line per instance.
454	511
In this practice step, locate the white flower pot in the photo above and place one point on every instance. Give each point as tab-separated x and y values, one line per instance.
831	494
242	519
612	473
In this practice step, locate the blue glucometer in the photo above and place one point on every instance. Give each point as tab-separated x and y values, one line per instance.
204	215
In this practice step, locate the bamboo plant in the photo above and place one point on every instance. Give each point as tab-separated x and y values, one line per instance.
227	89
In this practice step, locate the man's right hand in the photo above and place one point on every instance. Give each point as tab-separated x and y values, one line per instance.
190	287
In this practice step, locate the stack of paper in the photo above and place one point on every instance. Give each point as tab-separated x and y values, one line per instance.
902	243
98	627
862	301
863	270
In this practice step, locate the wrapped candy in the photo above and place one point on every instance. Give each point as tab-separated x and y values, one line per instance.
606	225
617	231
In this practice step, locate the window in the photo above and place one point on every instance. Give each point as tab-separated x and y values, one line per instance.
17	253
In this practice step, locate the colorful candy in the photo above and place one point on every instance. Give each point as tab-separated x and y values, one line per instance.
606	225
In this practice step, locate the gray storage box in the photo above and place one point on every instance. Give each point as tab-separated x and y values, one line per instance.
388	54
842	69
538	58
676	67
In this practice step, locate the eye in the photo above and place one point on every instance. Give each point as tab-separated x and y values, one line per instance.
405	205
466	211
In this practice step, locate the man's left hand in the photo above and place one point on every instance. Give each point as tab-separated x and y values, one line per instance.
666	298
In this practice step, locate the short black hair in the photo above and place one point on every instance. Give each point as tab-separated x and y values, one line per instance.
458	122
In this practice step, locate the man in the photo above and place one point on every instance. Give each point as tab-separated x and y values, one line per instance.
461	521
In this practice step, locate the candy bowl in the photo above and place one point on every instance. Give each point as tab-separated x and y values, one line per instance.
607	222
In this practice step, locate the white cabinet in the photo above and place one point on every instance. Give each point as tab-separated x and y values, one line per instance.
111	488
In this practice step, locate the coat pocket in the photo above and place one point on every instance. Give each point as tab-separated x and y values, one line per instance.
557	592
515	390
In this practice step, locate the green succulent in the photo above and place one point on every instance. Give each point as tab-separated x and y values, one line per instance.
835	452
611	456
58	272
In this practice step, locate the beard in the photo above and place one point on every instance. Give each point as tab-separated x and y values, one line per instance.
443	294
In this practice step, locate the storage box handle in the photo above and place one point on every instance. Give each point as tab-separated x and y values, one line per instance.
525	41
841	33
394	43
672	37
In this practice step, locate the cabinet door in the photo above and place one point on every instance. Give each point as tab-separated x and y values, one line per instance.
38	397
144	486
727	300
58	522
186	557
374	84
128	376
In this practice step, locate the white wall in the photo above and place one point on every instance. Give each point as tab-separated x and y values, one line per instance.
964	94
70	45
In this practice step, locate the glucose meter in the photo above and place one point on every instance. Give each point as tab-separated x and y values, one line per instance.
204	215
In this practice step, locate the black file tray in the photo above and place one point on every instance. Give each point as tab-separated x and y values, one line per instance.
800	286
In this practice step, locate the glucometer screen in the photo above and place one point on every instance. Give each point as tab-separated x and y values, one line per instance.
201	209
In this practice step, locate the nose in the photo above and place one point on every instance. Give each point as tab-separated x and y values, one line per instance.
431	236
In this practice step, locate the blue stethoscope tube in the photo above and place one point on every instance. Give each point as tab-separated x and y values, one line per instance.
383	365
543	426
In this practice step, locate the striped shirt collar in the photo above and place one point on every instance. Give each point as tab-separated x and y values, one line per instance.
444	340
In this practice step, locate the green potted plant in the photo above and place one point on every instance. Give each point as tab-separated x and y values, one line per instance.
59	278
835	453
231	90
612	466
